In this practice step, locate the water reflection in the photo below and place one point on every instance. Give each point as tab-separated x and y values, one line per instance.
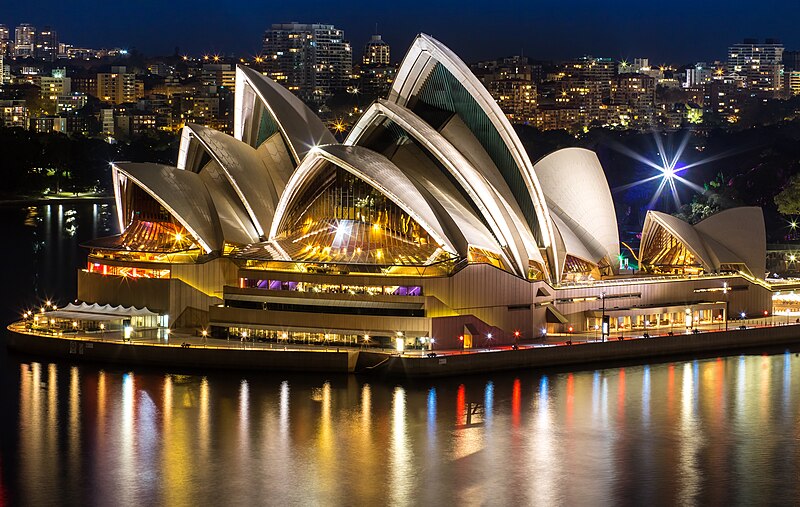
713	431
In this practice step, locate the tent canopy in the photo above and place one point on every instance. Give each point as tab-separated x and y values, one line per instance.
98	312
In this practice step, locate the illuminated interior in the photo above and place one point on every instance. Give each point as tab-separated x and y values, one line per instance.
666	254
104	269
149	226
341	218
481	255
373	290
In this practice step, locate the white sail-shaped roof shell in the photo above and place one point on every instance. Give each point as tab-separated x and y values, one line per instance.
300	128
498	211
718	240
254	182
420	60
577	192
181	192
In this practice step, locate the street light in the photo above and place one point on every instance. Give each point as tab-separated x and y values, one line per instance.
604	319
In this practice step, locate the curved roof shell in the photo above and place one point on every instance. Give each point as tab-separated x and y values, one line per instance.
497	212
374	169
181	192
577	192
300	128
253	182
718	240
491	126
727	228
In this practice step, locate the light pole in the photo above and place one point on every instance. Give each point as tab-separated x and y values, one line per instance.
603	321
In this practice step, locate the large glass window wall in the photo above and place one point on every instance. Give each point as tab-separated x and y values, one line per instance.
127	271
341	218
666	254
388	290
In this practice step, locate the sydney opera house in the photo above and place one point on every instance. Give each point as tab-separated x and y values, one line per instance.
429	224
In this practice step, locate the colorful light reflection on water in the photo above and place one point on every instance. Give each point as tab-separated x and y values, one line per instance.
715	431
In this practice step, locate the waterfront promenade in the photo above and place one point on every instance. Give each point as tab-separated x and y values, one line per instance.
184	349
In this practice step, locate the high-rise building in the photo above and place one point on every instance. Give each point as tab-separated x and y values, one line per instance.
6	44
589	68
376	52
46	44
5	71
14	113
760	63
697	75
311	60
24	40
219	74
118	86
511	83
792	82
52	87
638	92
516	97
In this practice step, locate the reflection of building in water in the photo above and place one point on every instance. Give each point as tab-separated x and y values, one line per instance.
428	226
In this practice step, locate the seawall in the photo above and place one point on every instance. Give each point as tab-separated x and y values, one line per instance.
589	353
392	365
192	357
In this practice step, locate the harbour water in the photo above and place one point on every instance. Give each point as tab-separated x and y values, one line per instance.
712	431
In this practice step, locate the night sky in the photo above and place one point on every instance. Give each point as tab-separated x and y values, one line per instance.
678	32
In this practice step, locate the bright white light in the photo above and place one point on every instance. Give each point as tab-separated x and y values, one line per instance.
668	169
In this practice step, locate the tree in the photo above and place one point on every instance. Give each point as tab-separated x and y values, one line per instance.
788	200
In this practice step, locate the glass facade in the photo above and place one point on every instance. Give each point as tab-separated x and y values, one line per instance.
340	218
267	126
104	269
389	290
148	226
666	254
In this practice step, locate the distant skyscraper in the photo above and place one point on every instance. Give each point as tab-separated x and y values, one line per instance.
24	40
118	86
311	60
760	63
6	44
376	52
5	71
46	44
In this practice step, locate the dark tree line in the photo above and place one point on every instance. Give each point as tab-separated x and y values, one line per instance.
33	163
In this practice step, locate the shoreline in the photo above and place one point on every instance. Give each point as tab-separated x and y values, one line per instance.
384	363
35	201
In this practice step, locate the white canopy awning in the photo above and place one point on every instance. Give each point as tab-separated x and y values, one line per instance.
98	312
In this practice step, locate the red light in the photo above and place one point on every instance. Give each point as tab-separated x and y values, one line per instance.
570	329
766	313
461	338
516	333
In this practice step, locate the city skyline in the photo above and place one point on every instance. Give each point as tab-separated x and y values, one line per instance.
673	36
